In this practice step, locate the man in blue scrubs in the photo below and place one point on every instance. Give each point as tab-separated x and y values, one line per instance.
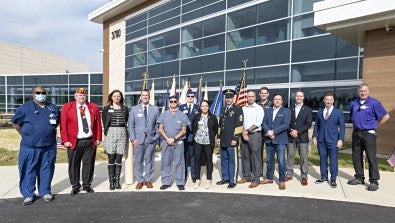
36	122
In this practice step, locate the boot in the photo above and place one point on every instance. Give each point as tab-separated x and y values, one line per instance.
118	168
111	172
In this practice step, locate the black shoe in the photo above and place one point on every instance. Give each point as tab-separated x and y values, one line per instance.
333	184
355	181
194	179
74	192
320	180
231	185
164	187
88	190
181	187
373	186
222	182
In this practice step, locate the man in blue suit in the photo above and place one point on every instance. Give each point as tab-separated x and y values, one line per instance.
275	126
329	130
143	131
190	109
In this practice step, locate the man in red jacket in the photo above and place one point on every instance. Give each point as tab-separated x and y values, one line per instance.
81	133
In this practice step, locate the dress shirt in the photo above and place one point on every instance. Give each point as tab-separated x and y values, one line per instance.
326	109
81	133
297	109
275	110
253	115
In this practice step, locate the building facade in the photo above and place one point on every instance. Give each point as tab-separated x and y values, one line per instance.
16	89
285	51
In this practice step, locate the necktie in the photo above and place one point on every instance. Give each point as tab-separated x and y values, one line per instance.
85	126
145	113
326	114
189	108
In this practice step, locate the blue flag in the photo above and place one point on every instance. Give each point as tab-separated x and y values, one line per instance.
216	105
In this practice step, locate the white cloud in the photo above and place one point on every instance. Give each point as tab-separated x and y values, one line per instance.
59	26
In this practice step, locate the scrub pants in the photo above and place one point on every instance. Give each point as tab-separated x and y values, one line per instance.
36	164
168	155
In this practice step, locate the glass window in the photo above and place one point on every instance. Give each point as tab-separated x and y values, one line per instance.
319	71
301	6
136	26
232	3
273	32
170	53
241	38
172	37
270	75
155	56
165	7
164	25
155	42
192	15
96	90
190	49
272	10
2	90
155	70
191	32
97	100
234	59
136	34
306	49
96	78
214	25
272	54
14	80
139	59
136	19
2	80
345	49
164	16
347	69
170	68
78	79
304	26
139	46
128	62
191	66
217	7
242	18
213	62
213	44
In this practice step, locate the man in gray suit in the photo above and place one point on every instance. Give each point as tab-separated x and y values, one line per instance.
143	135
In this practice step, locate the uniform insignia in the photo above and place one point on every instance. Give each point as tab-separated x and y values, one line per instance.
231	113
241	118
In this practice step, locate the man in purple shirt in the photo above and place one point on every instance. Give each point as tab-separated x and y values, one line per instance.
366	114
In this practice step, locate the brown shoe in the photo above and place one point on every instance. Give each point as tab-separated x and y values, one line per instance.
304	182
266	181
281	186
139	186
253	185
148	184
288	178
242	181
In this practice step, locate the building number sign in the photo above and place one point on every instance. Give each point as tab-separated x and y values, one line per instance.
116	34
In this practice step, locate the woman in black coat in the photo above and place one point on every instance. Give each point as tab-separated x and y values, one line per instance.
204	129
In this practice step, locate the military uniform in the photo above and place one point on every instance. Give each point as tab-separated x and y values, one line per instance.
230	128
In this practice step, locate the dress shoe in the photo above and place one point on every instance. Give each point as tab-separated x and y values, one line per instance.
222	182
281	186
373	186
197	184
320	180
148	184
333	184
288	178
266	181
304	182
253	185
208	186
164	187
193	179
231	185
139	186
74	192
242	181
355	181
181	187
29	200
88	189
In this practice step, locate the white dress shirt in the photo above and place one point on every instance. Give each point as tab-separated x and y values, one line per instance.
253	115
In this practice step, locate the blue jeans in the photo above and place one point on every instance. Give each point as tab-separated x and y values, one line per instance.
279	149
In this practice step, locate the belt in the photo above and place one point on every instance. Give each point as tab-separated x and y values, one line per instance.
363	130
89	138
254	132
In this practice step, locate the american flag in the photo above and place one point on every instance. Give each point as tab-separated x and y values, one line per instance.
241	91
391	160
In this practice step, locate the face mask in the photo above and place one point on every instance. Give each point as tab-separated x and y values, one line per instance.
41	97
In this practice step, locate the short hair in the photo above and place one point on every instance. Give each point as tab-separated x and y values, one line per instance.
329	93
299	90
38	86
362	85
278	93
146	90
264	88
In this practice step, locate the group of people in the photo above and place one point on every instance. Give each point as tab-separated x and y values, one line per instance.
189	133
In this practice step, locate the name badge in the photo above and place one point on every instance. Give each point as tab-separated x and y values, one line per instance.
52	121
111	111
185	111
363	107
140	115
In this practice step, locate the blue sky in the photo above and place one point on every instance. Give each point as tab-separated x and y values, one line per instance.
58	26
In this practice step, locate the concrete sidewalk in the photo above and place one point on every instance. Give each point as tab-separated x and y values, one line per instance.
9	178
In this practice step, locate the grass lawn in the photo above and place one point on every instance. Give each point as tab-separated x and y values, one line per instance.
10	146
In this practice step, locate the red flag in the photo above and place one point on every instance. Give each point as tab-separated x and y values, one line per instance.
241	92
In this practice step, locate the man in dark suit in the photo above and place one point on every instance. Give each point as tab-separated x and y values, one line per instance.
298	137
190	109
275	125
329	130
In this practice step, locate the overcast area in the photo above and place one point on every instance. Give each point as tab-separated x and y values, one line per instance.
58	26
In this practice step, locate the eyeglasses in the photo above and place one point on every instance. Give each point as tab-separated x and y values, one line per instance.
39	92
190	96
173	101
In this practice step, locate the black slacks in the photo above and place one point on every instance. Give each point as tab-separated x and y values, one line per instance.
206	151
84	152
